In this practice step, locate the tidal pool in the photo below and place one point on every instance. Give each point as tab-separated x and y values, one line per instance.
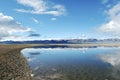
74	63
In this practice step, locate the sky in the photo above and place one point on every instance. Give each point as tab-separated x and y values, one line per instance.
59	19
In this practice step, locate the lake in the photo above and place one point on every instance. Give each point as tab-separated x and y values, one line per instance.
102	63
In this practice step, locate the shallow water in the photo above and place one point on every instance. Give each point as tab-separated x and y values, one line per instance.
74	63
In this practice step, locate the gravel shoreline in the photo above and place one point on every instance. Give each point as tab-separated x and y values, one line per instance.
13	66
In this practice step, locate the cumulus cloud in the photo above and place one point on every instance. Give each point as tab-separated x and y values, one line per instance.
41	7
112	27
9	27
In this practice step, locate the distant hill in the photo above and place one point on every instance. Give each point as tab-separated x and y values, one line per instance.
62	41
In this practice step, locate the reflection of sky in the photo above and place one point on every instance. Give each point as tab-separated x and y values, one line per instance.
84	50
38	50
56	55
33	53
94	57
63	55
112	58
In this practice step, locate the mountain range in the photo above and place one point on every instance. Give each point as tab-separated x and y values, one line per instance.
63	41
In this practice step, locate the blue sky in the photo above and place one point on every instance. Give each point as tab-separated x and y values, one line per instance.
56	19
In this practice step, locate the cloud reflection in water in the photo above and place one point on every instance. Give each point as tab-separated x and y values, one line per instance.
114	60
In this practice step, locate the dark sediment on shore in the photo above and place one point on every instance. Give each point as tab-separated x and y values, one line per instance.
13	66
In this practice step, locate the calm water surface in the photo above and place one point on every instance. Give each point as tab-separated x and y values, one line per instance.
74	63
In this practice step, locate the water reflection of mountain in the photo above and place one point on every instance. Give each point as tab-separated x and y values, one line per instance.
63	46
13	66
114	60
34	53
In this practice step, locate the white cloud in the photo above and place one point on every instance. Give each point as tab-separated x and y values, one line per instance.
35	20
53	19
112	27
114	11
41	7
9	27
